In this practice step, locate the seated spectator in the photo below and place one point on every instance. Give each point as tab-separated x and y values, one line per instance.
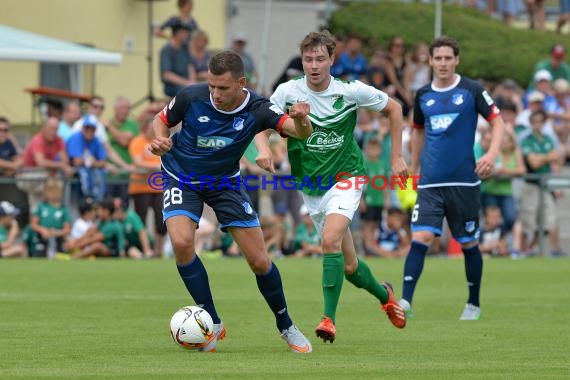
71	113
200	54
559	111
88	156
539	155
121	130
9	231
508	92
144	196
10	163
555	64
306	241
372	201
393	241
491	239
81	225
137	239
108	240
95	108
50	223
176	69
45	156
184	17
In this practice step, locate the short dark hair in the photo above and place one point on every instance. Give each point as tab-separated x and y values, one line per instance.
538	112
395	210
227	61
322	38
85	207
107	204
444	41
4	120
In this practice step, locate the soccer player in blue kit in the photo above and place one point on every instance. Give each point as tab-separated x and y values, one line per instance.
445	122
219	120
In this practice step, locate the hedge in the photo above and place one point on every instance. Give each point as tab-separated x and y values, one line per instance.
489	49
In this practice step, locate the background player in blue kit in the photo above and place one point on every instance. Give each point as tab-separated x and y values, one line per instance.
445	121
219	120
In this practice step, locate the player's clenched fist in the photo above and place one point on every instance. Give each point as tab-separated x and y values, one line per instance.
160	145
299	110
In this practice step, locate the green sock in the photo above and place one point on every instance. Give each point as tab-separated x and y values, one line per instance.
333	271
363	278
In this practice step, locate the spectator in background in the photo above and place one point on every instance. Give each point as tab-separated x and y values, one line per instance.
491	240
508	92
510	9
564	15
88	156
523	127
418	70
559	111
71	113
306	241
10	162
293	69
200	54
543	84
137	239
184	17
536	15
376	73
395	70
81	226
95	108
393	240
238	45
555	65
9	231
121	130
50	223
353	63
144	196
176	67
337	70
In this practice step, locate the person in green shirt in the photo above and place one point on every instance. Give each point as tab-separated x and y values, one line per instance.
50	222
9	231
121	129
539	155
306	241
137	238
108	240
555	65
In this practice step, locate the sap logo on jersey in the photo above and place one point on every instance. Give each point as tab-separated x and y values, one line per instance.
440	123
213	142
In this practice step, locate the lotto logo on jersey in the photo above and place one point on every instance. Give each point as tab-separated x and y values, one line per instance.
213	142
440	123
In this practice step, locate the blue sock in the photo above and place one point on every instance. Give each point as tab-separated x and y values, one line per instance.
195	278
473	272
413	269
271	288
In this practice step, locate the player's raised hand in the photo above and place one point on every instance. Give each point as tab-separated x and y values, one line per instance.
399	167
265	161
485	165
160	145
299	110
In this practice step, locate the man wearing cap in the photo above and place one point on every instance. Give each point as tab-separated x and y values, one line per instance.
555	65
522	123
88	155
176	68
239	42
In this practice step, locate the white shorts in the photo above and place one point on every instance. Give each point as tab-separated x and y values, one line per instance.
335	201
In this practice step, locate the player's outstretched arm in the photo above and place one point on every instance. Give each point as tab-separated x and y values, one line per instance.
264	157
162	143
298	126
393	111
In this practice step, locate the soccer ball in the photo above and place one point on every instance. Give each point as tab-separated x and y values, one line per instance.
192	327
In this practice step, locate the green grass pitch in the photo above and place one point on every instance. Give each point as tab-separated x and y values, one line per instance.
108	319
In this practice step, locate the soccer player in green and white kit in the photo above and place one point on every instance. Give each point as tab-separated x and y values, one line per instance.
329	151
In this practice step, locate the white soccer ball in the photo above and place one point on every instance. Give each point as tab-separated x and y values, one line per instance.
192	327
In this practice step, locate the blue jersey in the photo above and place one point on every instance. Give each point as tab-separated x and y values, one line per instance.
449	119
211	142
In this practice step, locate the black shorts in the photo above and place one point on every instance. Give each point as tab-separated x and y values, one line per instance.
228	199
460	205
372	214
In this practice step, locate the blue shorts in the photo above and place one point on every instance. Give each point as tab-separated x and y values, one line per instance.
460	205
229	201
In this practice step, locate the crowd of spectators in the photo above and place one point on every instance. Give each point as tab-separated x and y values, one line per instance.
80	186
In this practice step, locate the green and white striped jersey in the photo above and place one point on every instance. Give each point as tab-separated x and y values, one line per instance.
331	149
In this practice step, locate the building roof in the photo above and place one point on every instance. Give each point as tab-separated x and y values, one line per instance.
21	45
